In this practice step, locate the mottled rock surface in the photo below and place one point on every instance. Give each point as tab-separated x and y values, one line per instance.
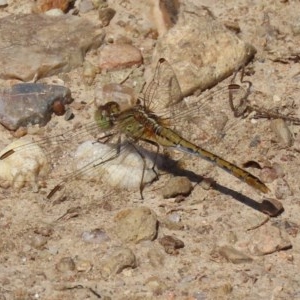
45	45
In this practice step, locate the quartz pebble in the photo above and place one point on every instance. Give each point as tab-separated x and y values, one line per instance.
123	171
96	236
23	167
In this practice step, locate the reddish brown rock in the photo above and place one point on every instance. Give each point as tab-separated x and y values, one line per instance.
45	5
119	56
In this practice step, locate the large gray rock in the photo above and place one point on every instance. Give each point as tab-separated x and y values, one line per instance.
31	103
35	46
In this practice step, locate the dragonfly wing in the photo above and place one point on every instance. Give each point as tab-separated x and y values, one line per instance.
27	160
164	90
119	166
210	114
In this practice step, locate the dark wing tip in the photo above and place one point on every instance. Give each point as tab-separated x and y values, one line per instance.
54	190
7	154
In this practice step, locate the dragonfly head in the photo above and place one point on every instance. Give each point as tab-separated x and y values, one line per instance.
105	115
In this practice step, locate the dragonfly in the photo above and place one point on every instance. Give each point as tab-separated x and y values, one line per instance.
152	120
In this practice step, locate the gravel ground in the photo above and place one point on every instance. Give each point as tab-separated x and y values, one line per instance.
106	243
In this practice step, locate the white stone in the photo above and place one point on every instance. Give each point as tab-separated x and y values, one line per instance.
23	167
92	161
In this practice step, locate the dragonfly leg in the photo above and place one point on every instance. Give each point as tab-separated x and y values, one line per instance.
243	106
155	159
142	184
104	139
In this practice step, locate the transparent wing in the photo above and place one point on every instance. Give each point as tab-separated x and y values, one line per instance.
163	96
74	158
210	114
164	90
26	160
119	165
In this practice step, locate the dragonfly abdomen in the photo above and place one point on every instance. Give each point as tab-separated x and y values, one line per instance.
169	138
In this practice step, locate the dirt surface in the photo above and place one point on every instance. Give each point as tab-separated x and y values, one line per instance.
45	255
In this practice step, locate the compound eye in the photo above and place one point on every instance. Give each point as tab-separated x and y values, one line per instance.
115	108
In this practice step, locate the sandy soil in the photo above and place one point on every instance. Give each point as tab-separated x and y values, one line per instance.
36	234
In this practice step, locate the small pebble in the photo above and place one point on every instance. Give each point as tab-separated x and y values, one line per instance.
83	266
268	175
199	295
233	255
89	72
106	15
119	260
206	183
156	285
119	56
38	241
96	236
290	227
276	98
58	108
268	239
33	163
86	6
271	207
46	5
21	131
171	244
174	217
3	3
233	26
53	250
100	3
136	224
54	12
171	225
44	231
283	189
156	258
282	131
177	186
169	11
231	237
65	264
69	115
278	169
